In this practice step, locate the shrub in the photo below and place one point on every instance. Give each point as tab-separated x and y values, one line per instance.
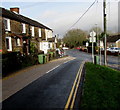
14	61
10	62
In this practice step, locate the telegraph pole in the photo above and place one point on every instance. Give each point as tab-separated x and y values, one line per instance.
105	37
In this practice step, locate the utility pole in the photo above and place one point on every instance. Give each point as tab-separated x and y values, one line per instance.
105	37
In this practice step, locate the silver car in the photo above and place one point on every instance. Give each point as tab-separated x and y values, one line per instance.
114	49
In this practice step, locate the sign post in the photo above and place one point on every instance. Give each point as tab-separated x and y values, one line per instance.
92	39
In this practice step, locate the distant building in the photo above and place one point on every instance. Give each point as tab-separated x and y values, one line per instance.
113	41
20	32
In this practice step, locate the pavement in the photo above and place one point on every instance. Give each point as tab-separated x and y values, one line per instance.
22	78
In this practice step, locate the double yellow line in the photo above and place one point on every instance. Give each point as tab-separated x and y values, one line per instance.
73	93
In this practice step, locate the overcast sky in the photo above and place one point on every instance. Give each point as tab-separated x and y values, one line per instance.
60	16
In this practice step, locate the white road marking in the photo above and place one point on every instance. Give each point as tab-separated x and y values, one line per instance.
56	67
66	61
53	69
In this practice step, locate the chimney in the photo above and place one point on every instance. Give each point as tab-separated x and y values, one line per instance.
15	10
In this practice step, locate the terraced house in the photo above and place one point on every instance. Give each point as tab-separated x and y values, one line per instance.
24	35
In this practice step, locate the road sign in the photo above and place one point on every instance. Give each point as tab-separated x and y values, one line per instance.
92	38
92	34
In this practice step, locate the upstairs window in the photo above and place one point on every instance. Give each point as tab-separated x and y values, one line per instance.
39	31
6	24
24	28
33	31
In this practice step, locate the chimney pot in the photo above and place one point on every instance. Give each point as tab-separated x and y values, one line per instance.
15	9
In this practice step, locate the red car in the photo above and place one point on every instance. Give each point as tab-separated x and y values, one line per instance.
0	50
78	48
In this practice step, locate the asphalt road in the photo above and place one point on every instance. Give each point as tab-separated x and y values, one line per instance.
112	61
50	91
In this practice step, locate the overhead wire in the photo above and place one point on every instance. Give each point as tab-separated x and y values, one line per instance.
82	15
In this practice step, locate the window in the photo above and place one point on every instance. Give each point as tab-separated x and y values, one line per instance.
33	32
39	32
6	24
8	43
48	45
24	28
17	42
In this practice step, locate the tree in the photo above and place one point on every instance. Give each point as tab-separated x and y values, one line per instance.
74	38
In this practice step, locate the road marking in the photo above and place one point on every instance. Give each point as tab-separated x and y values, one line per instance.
74	90
52	69
67	61
72	104
57	67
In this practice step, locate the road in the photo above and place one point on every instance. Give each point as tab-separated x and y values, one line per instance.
50	91
113	61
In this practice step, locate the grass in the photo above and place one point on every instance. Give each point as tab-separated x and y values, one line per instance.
101	89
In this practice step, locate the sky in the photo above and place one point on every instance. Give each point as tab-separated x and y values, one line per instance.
60	16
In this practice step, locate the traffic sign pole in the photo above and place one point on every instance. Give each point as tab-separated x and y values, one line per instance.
93	34
92	50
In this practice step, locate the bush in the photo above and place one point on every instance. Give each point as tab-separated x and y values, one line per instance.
14	61
10	62
28	60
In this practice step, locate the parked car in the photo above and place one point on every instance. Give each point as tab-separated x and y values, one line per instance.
60	52
65	48
78	48
113	49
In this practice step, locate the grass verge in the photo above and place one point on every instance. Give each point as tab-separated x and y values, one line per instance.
101	89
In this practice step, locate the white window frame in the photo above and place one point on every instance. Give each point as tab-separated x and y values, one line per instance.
46	33
10	43
18	42
50	33
33	31
24	28
8	24
39	31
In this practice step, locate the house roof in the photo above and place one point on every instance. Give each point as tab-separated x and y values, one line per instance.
13	16
113	38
